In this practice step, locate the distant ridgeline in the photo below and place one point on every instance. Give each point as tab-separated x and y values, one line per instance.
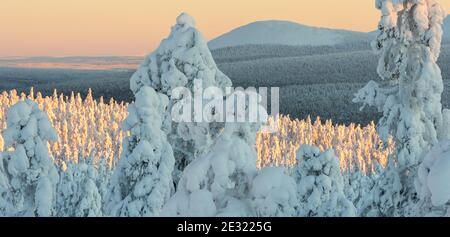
313	81
302	72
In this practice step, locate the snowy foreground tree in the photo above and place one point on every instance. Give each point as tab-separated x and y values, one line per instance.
433	184
28	171
142	180
357	187
181	59
4	187
78	194
409	44
219	182
274	193
320	185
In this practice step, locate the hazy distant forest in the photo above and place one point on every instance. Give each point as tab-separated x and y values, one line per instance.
314	80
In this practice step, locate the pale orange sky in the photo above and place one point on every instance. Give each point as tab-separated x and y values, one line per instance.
135	27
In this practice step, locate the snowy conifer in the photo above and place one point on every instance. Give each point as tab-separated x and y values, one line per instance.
274	193
409	41
432	185
357	187
78	194
385	196
219	182
30	171
104	173
4	187
320	186
179	60
142	180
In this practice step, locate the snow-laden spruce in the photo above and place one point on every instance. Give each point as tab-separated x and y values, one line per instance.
142	179
30	171
4	187
179	60
320	186
384	198
357	187
433	183
219	182
359	180
77	192
274	193
408	43
104	173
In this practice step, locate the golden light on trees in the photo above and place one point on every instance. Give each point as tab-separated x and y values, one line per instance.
87	127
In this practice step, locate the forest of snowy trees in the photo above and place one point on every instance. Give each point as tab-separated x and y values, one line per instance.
169	169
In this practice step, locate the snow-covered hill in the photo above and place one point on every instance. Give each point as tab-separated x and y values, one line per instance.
285	33
294	34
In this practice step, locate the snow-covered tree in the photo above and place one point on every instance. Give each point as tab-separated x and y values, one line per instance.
82	125
77	192
408	43
181	59
357	187
104	173
320	186
274	193
219	182
359	182
4	187
142	180
385	196
29	168
432	185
